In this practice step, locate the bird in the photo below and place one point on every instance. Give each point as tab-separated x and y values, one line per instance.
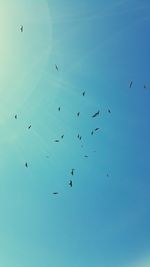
59	109
29	127
55	193
21	28
78	114
56	141
109	111
70	183
56	67
62	136
86	156
72	172
131	83
92	133
16	116
80	137
26	165
96	129
83	93
96	114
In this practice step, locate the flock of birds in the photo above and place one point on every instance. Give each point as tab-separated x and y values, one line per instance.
78	114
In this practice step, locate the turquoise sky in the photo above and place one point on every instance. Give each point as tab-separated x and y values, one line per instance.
99	47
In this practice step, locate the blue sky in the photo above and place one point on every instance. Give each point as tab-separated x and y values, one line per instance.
99	47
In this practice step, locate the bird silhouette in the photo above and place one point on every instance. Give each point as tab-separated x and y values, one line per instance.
72	172
78	114
70	183
86	156
55	193
109	111
96	114
26	165
96	129
80	137
131	83
59	109
62	136
21	28
16	116
29	127
56	67
83	93
92	132
56	141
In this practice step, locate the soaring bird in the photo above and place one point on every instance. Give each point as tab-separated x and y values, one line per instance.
62	136
96	129
29	127
70	183
72	172
109	111
55	193
131	83
56	67
56	141
78	114
83	93
92	132
80	137
96	114
26	165
21	28
16	116
59	109
86	156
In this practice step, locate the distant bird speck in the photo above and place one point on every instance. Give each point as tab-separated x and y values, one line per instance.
55	193
72	171
86	156
109	111
96	129
70	183
21	28
92	132
16	116
62	136
78	114
131	83
29	127
56	141
26	165
95	114
83	93
59	109
56	67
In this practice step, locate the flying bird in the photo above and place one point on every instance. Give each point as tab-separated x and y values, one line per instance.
70	183
21	28
83	93
131	83
26	165
59	109
86	156
16	116
29	127
62	136
55	193
96	129
72	172
78	114
109	111
96	114
56	67
56	141
80	137
92	133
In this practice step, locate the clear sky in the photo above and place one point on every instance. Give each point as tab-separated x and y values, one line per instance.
99	47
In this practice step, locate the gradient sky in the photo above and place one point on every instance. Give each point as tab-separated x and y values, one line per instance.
99	46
